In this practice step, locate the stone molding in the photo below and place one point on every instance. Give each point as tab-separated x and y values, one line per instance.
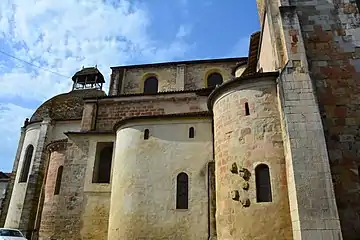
57	145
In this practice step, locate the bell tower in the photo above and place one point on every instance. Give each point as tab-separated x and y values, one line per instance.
88	78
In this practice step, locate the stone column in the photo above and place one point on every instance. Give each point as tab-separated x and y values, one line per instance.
9	189
180	77
35	181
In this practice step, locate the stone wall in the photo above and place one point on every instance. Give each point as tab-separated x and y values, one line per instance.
71	201
196	74
171	77
134	78
50	221
331	37
111	111
247	141
143	200
95	217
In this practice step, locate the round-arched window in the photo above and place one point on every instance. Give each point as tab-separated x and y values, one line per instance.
214	79
151	85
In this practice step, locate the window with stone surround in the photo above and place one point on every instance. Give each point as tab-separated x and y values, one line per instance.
182	191
26	164
58	180
214	79
103	159
263	185
247	109
151	85
191	132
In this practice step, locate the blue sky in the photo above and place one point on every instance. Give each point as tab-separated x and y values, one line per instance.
65	35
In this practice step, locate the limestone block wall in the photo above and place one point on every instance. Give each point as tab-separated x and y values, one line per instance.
112	110
50	224
247	141
172	77
19	189
95	216
71	202
196	74
135	77
331	35
143	200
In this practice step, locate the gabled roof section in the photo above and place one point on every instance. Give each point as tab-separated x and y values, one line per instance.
253	54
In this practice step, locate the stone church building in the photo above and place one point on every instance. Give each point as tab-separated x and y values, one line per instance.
264	147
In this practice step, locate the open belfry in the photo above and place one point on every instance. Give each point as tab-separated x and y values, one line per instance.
265	146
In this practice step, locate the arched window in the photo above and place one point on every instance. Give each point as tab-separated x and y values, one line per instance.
247	109
58	180
26	164
102	168
214	79
151	85
191	132
263	185
182	191
146	134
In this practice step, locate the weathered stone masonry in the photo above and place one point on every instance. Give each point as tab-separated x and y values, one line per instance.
331	32
247	141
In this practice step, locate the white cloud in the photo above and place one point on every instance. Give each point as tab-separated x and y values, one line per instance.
64	36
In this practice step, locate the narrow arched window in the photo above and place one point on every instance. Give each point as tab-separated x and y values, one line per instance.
58	180
102	167
26	164
151	85
182	191
247	109
263	185
214	79
359	172
146	134
191	132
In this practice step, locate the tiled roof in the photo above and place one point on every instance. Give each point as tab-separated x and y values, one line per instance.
67	106
253	54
